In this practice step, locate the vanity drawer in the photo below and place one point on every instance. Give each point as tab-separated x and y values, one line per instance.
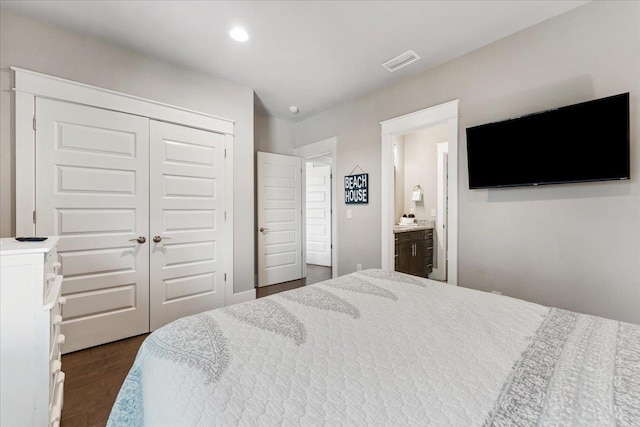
409	236
413	236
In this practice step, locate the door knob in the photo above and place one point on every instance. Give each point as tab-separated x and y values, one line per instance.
158	239
140	239
262	229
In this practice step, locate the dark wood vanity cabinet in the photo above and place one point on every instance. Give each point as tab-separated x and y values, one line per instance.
414	252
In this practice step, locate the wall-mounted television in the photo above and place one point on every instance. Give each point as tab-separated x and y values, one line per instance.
578	143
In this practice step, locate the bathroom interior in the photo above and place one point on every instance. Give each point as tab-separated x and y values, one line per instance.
420	194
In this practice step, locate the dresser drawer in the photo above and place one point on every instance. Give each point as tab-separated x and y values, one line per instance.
53	303
31	370
55	408
55	371
56	338
51	269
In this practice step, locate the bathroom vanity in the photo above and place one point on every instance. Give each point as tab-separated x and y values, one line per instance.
414	249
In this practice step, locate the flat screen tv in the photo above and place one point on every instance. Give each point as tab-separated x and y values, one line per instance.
582	142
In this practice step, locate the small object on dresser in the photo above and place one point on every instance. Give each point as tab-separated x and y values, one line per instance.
31	239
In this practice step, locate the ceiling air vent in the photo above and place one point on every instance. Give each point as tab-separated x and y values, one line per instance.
401	60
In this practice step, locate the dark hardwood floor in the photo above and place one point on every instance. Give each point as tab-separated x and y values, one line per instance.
94	376
315	274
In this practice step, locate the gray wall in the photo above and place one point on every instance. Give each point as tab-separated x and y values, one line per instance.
40	47
273	135
573	246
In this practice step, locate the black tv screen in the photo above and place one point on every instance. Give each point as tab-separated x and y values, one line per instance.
582	142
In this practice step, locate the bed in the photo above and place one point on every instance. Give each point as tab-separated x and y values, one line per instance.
385	348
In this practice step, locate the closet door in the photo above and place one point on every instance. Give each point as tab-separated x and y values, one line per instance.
92	191
187	218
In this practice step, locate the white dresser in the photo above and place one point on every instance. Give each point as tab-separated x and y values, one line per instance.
32	382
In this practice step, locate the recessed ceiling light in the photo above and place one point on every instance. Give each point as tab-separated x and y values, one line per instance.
239	34
294	110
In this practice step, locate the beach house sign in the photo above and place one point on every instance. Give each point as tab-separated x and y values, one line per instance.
356	189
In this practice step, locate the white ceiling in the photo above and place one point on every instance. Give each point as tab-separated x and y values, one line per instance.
313	54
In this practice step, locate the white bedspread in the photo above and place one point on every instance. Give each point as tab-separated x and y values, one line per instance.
376	348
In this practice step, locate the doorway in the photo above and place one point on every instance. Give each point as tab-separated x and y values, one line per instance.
318	207
320	227
445	115
420	194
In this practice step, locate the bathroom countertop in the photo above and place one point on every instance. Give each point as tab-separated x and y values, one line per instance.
405	228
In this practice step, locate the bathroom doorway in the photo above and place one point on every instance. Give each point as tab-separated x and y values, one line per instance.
418	189
420	193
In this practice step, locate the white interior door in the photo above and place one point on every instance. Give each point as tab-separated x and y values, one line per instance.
92	191
318	214
187	169
279	218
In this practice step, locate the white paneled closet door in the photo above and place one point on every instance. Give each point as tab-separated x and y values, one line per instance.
187	170
92	190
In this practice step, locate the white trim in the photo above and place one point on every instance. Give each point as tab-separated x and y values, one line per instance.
46	86
441	227
387	216
25	164
317	148
241	297
326	146
303	216
405	124
420	119
228	226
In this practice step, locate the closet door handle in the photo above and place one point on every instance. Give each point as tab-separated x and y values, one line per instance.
140	239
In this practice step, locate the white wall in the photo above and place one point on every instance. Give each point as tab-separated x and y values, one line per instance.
575	246
421	168
36	46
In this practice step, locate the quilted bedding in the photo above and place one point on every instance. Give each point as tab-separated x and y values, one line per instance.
379	348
